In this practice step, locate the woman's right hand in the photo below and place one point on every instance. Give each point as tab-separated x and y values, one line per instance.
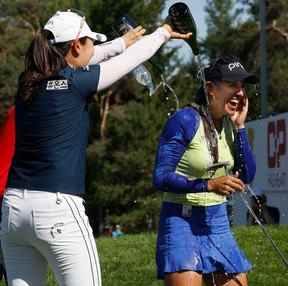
225	185
177	35
133	35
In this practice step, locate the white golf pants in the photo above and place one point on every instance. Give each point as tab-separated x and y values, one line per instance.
40	228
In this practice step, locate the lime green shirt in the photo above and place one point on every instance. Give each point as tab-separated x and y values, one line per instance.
195	162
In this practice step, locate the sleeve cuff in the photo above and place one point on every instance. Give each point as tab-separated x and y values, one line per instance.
164	33
122	45
241	130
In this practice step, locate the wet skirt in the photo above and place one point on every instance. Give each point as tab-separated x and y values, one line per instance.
197	239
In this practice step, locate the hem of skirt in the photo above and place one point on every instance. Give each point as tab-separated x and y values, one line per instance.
162	276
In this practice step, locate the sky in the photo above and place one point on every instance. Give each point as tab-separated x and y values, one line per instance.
197	10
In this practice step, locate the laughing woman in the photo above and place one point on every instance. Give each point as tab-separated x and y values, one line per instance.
203	157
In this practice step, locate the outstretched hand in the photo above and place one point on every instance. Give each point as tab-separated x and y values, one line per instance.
177	35
133	35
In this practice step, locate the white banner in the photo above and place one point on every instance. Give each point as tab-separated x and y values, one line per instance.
268	138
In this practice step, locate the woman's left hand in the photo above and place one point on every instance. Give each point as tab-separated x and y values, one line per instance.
238	117
133	35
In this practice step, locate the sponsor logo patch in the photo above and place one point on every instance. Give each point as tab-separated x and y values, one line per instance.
57	84
234	65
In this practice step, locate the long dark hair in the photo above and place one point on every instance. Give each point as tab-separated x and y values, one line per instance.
209	127
42	60
212	73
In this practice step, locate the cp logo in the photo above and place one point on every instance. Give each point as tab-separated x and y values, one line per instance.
276	142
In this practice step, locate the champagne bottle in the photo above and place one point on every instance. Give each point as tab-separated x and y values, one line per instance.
182	21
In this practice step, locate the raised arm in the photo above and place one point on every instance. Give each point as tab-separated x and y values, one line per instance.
107	50
104	52
115	68
245	162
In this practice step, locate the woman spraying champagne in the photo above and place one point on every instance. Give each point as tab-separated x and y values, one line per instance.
43	216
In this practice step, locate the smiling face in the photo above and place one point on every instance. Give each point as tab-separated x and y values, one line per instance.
225	98
236	103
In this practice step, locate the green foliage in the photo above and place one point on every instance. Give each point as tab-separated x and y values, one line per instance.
220	15
19	20
121	178
105	15
120	166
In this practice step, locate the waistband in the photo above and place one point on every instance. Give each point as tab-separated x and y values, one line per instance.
35	194
204	199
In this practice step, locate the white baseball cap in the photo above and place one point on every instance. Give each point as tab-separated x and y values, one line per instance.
68	25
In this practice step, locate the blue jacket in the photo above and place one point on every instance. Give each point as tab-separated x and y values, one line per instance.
176	136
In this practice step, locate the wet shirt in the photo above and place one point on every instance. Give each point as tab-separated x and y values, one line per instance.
52	133
175	175
195	163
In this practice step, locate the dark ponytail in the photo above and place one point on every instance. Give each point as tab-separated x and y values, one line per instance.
200	98
209	128
42	60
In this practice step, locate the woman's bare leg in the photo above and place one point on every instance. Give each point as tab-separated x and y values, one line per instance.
185	278
222	279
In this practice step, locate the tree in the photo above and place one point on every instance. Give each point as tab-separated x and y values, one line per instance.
121	155
19	21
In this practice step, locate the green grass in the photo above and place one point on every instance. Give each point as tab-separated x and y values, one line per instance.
268	270
130	261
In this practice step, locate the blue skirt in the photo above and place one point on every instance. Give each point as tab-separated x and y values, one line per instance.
197	239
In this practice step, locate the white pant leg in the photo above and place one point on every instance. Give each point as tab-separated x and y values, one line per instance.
58	230
71	250
25	266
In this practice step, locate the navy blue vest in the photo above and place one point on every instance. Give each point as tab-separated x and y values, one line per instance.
52	133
